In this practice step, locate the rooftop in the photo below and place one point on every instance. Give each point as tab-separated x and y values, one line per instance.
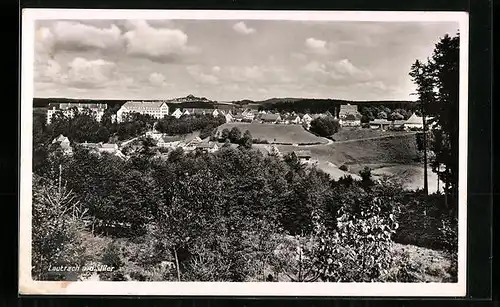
141	105
270	116
65	106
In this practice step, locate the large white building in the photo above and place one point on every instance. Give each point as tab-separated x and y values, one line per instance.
349	115
67	109
157	109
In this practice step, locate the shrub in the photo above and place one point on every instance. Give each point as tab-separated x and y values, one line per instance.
325	126
357	250
58	220
344	168
260	141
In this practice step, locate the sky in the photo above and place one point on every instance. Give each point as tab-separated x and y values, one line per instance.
228	60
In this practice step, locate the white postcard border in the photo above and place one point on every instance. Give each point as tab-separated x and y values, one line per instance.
28	286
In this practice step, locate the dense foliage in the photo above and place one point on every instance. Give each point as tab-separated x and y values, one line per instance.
187	124
437	83
196	208
325	126
330	105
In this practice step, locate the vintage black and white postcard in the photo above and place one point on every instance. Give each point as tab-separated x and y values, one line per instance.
243	153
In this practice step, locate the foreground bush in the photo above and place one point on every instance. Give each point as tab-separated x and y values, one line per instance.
58	218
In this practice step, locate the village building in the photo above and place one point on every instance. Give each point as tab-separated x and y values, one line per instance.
198	111
381	124
304	156
64	143
248	115
155	135
101	147
208	146
177	113
349	115
169	141
67	109
307	119
192	144
157	109
346	109
350	120
414	122
237	117
217	113
271	118
229	117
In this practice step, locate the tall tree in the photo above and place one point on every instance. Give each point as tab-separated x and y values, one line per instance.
421	74
438	88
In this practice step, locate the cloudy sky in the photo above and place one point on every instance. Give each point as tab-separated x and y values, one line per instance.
230	59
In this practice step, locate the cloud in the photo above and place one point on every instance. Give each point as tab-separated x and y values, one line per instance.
339	72
242	28
157	79
80	73
160	45
253	74
88	73
201	77
216	69
298	56
76	36
345	67
317	46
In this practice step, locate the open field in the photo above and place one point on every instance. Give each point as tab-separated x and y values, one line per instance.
390	156
277	134
388	151
351	133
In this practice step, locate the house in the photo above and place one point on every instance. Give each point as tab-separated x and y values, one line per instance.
156	109
292	119
296	120
207	146
110	148
198	111
350	120
307	119
381	124
64	143
237	117
346	109
169	141
191	145
270	118
303	155
97	109
416	122
217	113
248	115
103	147
177	113
229	117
